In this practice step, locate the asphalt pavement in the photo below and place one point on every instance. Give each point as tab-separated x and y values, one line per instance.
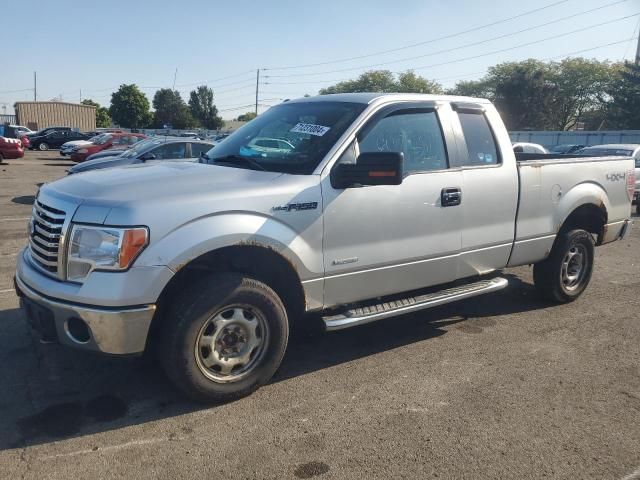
500	386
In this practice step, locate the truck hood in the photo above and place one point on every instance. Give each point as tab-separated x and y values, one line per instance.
155	184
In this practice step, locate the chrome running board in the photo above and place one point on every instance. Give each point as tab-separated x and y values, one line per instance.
362	315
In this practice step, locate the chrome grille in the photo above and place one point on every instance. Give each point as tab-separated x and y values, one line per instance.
44	236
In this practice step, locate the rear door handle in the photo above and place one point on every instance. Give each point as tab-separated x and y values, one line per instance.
450	196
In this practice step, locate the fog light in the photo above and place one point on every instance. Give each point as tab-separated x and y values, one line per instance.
78	331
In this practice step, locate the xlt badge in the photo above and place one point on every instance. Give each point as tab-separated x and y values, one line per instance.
296	206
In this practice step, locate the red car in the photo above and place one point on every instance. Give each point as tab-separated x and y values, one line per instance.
26	143
10	148
114	141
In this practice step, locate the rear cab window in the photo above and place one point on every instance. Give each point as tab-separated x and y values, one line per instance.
482	150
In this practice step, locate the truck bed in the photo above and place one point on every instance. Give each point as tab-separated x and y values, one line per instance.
553	186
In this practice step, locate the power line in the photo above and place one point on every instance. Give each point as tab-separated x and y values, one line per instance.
515	47
453	35
499	37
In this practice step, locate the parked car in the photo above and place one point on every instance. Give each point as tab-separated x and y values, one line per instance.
47	130
24	140
565	148
10	148
68	147
54	139
114	141
381	205
15	131
149	151
626	150
523	147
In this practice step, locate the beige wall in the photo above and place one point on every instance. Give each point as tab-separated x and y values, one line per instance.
36	115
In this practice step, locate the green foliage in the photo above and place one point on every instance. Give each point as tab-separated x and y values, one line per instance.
246	117
202	108
624	108
170	109
103	120
535	95
385	81
130	107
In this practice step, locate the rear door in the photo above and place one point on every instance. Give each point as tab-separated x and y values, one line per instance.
490	198
381	240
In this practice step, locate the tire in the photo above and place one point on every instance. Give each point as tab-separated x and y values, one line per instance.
200	326
43	147
565	274
1	157
638	207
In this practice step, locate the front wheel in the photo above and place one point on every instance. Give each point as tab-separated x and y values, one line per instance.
224	337
43	147
565	274
638	207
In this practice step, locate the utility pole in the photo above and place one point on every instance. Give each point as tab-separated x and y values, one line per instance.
35	87
257	88
80	95
174	79
638	51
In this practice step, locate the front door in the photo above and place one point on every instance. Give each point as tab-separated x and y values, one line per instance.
381	240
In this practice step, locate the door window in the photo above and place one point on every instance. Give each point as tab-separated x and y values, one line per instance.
198	148
480	142
416	134
170	151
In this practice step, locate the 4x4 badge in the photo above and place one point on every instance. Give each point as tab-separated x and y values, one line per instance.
296	206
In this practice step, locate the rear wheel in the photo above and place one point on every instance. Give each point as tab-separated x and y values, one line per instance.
565	274
43	147
638	207
224	337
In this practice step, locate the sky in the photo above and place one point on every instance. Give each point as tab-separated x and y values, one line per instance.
86	49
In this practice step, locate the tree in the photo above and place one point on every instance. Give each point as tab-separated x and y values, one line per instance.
246	117
409	82
202	108
103	119
130	107
170	109
385	81
581	86
624	107
474	88
524	94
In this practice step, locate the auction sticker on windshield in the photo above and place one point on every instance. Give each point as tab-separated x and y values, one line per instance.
311	129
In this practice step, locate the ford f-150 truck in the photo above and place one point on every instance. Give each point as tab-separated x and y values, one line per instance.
382	204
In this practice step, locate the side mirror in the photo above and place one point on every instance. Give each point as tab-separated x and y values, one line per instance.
148	156
371	168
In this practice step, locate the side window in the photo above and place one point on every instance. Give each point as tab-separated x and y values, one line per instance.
479	138
198	148
170	151
417	135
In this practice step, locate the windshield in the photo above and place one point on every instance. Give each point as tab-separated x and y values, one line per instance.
96	138
103	139
140	147
289	138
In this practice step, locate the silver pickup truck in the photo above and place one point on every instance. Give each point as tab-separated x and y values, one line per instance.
370	206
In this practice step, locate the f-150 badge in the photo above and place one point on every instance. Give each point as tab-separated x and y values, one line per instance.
296	206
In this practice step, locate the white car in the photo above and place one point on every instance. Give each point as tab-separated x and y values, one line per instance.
523	147
69	147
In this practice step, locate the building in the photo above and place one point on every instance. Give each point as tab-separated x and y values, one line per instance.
37	115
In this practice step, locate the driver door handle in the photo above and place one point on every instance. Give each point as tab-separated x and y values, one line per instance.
451	196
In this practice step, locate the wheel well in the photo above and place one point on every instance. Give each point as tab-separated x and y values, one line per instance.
259	262
589	217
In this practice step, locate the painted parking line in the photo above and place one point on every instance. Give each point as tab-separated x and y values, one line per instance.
9	219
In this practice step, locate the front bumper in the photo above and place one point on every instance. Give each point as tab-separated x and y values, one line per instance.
116	331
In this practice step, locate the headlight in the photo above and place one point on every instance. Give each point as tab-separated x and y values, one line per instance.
82	150
103	248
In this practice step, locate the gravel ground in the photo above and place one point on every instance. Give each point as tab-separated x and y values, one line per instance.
501	386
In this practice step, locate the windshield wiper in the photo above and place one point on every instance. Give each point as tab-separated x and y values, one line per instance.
237	159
